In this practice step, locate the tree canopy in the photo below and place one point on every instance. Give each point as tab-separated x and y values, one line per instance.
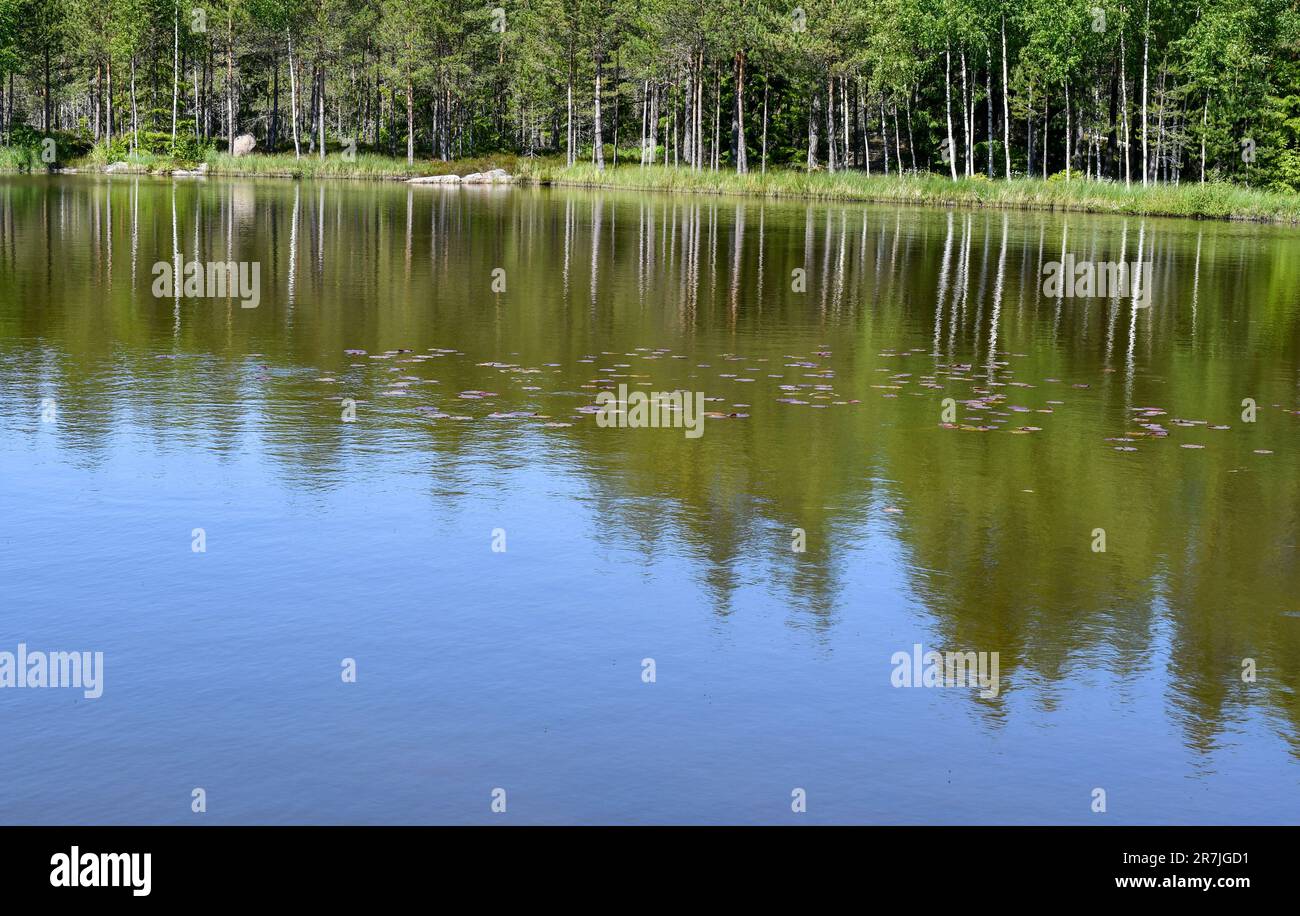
1137	91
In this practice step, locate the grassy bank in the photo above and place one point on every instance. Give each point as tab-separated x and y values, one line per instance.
1200	201
362	165
1204	201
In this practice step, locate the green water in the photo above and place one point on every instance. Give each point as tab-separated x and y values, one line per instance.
975	524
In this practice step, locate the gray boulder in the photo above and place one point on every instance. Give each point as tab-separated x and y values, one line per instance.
435	179
244	145
494	176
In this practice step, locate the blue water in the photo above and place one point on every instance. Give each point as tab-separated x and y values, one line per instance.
519	669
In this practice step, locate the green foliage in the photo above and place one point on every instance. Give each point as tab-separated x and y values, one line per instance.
27	149
187	147
25	136
19	159
1175	87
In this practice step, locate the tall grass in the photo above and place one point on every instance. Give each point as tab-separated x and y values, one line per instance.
1216	200
20	159
1209	201
141	160
361	166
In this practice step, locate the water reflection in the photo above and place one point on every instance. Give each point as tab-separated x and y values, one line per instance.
837	330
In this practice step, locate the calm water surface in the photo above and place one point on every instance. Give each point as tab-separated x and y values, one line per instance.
128	421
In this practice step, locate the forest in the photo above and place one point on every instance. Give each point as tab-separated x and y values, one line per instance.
1140	92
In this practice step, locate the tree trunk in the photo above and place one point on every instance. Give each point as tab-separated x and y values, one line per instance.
1006	111
176	65
410	121
320	101
569	157
209	90
813	110
655	92
598	136
898	142
1047	104
866	128
194	72
911	145
742	161
947	101
645	117
274	138
717	118
293	99
1030	141
699	114
135	113
1146	45
988	106
965	118
1123	102
1205	117
677	136
1068	138
230	83
617	78
1160	129
847	146
688	117
830	124
884	134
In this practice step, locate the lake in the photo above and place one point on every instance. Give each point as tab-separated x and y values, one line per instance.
365	552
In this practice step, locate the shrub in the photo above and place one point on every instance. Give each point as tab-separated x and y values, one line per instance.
30	149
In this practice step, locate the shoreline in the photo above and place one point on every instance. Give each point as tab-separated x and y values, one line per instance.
942	202
1211	201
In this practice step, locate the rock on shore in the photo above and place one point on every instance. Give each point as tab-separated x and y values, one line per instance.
494	176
